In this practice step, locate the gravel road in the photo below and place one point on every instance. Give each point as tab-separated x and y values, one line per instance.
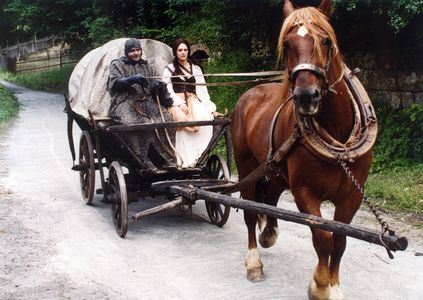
53	246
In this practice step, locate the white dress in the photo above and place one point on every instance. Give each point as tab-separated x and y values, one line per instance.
190	145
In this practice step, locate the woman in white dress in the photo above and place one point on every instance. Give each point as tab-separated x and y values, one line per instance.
190	103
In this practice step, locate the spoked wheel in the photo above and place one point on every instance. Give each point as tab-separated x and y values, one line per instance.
217	169
118	197
86	167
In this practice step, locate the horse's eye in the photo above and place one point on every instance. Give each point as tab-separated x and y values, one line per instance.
286	45
326	41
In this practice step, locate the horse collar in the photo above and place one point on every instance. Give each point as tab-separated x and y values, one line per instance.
362	138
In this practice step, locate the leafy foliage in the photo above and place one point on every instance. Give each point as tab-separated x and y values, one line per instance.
400	141
399	13
226	97
49	80
225	25
8	106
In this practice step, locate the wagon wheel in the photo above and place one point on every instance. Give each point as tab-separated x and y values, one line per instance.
216	168
87	167
118	197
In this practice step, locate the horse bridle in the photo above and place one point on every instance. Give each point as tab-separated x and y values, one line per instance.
315	69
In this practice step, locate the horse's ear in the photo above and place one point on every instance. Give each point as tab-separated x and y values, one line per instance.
326	7
288	8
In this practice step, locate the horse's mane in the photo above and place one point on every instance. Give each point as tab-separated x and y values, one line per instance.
318	27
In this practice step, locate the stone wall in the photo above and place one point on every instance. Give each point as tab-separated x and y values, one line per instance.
396	80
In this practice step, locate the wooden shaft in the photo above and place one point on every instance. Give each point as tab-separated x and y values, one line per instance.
393	242
157	209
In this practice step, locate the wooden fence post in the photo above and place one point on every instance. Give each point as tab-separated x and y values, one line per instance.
60	58
11	64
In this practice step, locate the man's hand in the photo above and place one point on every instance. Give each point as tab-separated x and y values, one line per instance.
138	79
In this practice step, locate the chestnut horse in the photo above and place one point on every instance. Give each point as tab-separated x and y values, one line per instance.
313	87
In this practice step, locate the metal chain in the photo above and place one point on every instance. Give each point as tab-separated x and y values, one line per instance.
378	215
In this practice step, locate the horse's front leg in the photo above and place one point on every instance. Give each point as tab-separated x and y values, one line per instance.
323	244
252	261
345	210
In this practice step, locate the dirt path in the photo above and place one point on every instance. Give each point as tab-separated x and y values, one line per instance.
53	246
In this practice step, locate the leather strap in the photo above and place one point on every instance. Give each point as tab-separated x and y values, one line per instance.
267	166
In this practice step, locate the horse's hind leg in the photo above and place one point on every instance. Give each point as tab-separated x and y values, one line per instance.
323	244
270	233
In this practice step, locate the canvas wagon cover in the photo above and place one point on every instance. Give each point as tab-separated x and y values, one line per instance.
88	81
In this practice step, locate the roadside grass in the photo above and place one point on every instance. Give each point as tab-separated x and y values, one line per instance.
9	106
55	81
398	189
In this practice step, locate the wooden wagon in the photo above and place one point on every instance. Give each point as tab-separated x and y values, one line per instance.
102	148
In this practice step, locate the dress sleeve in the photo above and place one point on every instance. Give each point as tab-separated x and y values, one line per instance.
201	90
166	78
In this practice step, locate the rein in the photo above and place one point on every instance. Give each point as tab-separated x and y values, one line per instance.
242	82
270	165
249	74
275	76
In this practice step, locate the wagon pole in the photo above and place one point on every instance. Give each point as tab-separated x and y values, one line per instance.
392	241
151	126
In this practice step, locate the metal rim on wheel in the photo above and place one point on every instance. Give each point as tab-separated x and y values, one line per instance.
118	197
217	169
87	167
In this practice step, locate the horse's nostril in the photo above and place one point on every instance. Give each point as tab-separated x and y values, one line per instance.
316	96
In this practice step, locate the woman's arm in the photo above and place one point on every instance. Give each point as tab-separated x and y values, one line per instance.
201	90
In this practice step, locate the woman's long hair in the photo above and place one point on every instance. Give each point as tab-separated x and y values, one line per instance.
191	60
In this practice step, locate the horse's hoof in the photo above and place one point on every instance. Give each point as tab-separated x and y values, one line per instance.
336	293
255	275
318	293
268	238
254	266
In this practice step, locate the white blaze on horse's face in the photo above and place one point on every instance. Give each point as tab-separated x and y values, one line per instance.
302	31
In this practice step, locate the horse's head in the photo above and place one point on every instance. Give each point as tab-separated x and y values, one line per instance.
308	46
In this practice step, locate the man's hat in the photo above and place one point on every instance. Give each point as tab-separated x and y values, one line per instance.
130	44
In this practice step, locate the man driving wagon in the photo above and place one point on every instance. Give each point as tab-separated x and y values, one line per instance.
133	101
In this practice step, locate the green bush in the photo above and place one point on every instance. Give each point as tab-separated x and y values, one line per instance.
9	106
52	81
226	97
400	140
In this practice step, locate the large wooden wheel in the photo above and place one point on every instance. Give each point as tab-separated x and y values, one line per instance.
86	167
118	197
216	168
